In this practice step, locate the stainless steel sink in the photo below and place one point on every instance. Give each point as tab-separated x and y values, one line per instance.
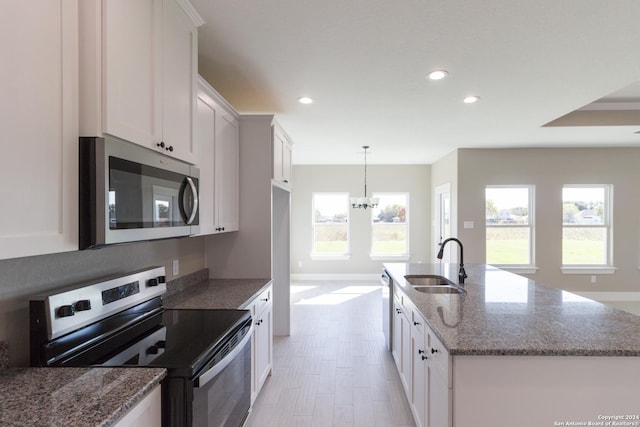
428	280
433	284
440	289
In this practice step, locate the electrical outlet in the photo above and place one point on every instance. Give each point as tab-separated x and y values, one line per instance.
176	267
594	279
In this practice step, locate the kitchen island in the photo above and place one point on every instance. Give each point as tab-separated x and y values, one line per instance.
510	351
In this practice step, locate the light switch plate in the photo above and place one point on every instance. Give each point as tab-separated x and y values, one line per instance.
469	224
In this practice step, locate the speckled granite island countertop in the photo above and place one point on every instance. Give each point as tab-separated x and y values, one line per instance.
506	314
72	396
216	294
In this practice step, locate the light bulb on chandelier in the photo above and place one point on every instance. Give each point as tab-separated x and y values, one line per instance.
364	202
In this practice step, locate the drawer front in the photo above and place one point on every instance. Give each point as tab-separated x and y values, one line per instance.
261	302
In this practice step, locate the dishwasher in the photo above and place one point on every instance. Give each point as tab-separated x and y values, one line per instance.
387	307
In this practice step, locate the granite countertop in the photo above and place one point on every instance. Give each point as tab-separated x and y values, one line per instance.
506	314
217	294
72	396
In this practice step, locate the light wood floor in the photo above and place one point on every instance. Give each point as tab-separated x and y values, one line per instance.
334	369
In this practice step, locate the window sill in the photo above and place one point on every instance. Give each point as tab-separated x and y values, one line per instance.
403	257
343	257
588	270
520	269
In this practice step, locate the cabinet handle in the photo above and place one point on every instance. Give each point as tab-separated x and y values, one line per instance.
434	350
285	181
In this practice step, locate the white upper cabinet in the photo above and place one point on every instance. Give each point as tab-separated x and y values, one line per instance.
217	138
138	72
282	148
39	122
180	85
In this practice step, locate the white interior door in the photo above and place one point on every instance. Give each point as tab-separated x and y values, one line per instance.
443	220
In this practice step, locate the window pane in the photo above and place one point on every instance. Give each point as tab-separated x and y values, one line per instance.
390	225
508	245
583	205
330	224
507	205
584	246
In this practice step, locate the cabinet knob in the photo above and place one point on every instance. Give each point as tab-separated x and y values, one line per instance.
160	144
416	323
398	311
420	351
434	350
170	148
424	357
265	299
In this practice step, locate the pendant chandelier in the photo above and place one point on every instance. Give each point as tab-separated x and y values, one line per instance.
364	202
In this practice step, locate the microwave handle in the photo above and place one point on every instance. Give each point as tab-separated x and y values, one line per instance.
189	217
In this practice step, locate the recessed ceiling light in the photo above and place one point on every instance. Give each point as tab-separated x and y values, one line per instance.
437	74
305	100
471	99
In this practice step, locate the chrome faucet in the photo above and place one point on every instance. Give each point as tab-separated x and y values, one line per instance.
461	273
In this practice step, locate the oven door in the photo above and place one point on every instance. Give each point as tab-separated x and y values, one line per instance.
222	394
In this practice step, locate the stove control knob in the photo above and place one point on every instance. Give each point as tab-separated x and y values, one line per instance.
152	282
161	344
82	305
152	350
65	311
162	279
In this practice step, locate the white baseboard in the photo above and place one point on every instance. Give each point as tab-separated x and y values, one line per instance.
611	296
336	277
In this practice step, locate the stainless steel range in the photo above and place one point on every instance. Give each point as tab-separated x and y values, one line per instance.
120	321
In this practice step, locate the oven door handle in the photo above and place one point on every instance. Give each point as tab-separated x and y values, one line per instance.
219	367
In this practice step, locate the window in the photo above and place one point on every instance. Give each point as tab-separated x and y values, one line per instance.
509	225
390	226
330	225
586	225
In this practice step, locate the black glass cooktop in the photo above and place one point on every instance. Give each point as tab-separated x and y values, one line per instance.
183	341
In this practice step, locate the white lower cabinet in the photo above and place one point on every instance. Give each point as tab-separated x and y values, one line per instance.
262	341
423	364
147	413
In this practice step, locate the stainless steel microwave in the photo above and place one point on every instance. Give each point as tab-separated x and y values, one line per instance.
130	193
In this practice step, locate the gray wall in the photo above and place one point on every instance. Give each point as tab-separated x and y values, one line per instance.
22	277
548	170
307	179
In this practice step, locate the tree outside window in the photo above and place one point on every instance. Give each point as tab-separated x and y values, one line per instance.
586	225
390	225
330	224
509	225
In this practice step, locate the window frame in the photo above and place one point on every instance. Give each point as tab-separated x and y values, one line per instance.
332	256
607	267
395	257
529	268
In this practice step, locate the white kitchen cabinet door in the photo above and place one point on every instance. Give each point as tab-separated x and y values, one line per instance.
138	73
217	138
419	377
396	348
132	69
227	169
39	122
146	413
282	151
205	137
179	77
262	341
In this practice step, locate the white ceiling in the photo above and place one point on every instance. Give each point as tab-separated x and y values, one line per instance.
364	63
